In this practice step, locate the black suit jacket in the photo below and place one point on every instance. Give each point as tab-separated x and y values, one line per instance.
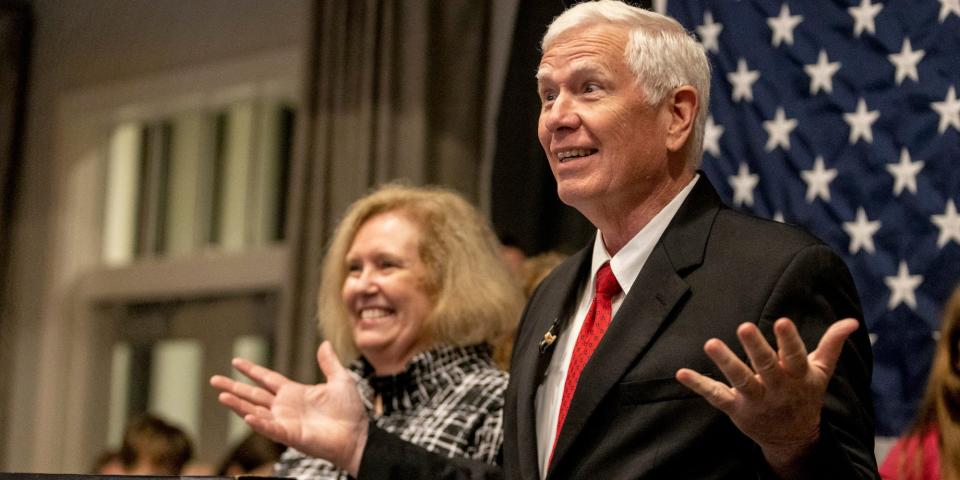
713	269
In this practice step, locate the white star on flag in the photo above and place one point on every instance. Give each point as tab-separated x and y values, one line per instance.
947	7
902	287
860	122
743	184
861	232
821	73
711	137
818	180
949	224
742	81
778	130
709	33
863	17
905	173
783	26
949	110
906	62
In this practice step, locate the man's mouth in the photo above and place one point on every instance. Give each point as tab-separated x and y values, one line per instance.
568	155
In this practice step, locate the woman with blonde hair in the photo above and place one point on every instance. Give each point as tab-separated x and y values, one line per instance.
413	292
930	449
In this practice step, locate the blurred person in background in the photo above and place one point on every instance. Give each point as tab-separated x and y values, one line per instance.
930	448
413	292
254	455
532	271
512	253
108	463
537	267
151	446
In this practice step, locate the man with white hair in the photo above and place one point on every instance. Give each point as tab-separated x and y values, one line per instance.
676	344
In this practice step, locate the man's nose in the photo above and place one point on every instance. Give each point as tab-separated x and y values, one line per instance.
563	114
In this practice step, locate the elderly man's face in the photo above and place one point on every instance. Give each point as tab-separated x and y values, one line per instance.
604	142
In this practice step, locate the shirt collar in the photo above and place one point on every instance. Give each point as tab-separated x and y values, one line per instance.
626	264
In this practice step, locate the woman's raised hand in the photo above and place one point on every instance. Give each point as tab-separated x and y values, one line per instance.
326	420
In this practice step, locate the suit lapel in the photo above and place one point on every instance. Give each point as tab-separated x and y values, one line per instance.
557	304
657	290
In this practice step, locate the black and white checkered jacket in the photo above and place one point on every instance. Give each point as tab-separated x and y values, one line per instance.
449	400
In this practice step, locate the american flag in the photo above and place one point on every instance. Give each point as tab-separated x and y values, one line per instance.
843	117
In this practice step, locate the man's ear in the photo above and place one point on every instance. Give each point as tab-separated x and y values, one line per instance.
684	105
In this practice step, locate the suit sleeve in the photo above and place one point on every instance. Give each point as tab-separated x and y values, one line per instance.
816	290
386	456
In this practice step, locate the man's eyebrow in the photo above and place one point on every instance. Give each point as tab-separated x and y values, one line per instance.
540	73
577	69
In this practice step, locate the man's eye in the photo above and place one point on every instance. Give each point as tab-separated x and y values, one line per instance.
590	88
354	267
548	96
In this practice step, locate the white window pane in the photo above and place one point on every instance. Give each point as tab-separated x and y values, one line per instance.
256	349
235	181
123	180
119	393
188	192
175	383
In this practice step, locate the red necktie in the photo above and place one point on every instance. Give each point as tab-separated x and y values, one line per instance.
594	326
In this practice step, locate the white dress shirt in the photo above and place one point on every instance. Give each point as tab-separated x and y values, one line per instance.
626	265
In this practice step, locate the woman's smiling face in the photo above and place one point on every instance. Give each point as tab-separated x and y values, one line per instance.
386	291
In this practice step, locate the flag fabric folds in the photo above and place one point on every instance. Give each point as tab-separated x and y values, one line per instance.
843	117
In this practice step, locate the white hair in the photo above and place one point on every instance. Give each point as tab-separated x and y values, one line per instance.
660	53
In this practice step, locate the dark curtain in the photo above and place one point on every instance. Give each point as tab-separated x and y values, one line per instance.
393	90
524	203
524	206
15	23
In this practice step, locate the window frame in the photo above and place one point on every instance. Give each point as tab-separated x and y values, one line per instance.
72	384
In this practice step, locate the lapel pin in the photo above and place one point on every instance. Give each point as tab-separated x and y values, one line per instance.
548	338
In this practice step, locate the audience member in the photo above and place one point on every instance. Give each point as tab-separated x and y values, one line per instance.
512	253
930	448
108	463
537	267
254	455
151	446
532	271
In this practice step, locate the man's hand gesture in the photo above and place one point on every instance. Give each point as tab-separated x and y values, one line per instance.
776	401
